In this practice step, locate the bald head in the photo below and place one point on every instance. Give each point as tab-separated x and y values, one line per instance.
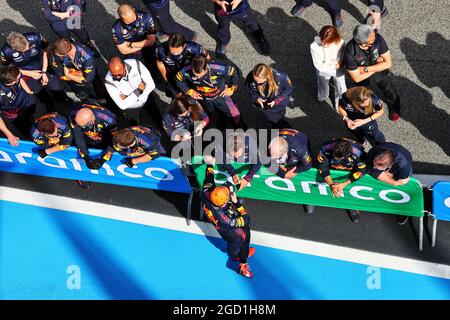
116	66
278	147
84	117
127	13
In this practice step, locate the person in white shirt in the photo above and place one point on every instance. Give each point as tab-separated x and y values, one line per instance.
129	83
327	53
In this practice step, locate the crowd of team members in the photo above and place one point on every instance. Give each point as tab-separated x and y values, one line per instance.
119	113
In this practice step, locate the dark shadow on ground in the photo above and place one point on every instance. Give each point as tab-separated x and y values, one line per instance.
418	109
113	276
7	25
321	121
430	61
96	20
199	13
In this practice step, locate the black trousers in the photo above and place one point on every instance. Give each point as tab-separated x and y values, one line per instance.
237	246
226	107
89	92
167	23
61	29
148	115
224	20
383	80
369	131
334	5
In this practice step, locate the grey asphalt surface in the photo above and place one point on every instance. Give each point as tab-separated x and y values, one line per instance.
417	35
415	31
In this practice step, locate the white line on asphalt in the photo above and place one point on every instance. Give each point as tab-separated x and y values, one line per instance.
260	238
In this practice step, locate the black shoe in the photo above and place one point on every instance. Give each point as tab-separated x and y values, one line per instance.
309	209
338	21
221	51
263	44
401	219
84	184
354	215
297	10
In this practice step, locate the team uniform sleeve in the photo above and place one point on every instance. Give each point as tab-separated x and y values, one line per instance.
116	35
4	58
66	137
150	24
57	65
233	74
80	140
111	121
208	183
37	137
305	164
89	70
250	89
182	83
323	162
349	59
358	171
284	91
167	124
47	12
253	170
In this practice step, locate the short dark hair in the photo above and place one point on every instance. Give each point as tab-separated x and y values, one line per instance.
176	40
46	126
199	64
342	148
181	104
9	74
124	138
62	46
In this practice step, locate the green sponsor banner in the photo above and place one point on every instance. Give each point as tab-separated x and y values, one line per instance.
366	194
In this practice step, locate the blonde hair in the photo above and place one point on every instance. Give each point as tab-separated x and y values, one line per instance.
278	145
264	71
357	96
17	41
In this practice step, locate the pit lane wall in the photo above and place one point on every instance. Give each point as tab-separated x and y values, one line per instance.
160	174
366	194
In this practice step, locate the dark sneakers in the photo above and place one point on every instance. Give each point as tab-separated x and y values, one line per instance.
354	215
297	10
84	184
251	252
221	50
338	21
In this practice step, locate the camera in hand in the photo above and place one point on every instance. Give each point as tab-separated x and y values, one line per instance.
228	5
266	104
